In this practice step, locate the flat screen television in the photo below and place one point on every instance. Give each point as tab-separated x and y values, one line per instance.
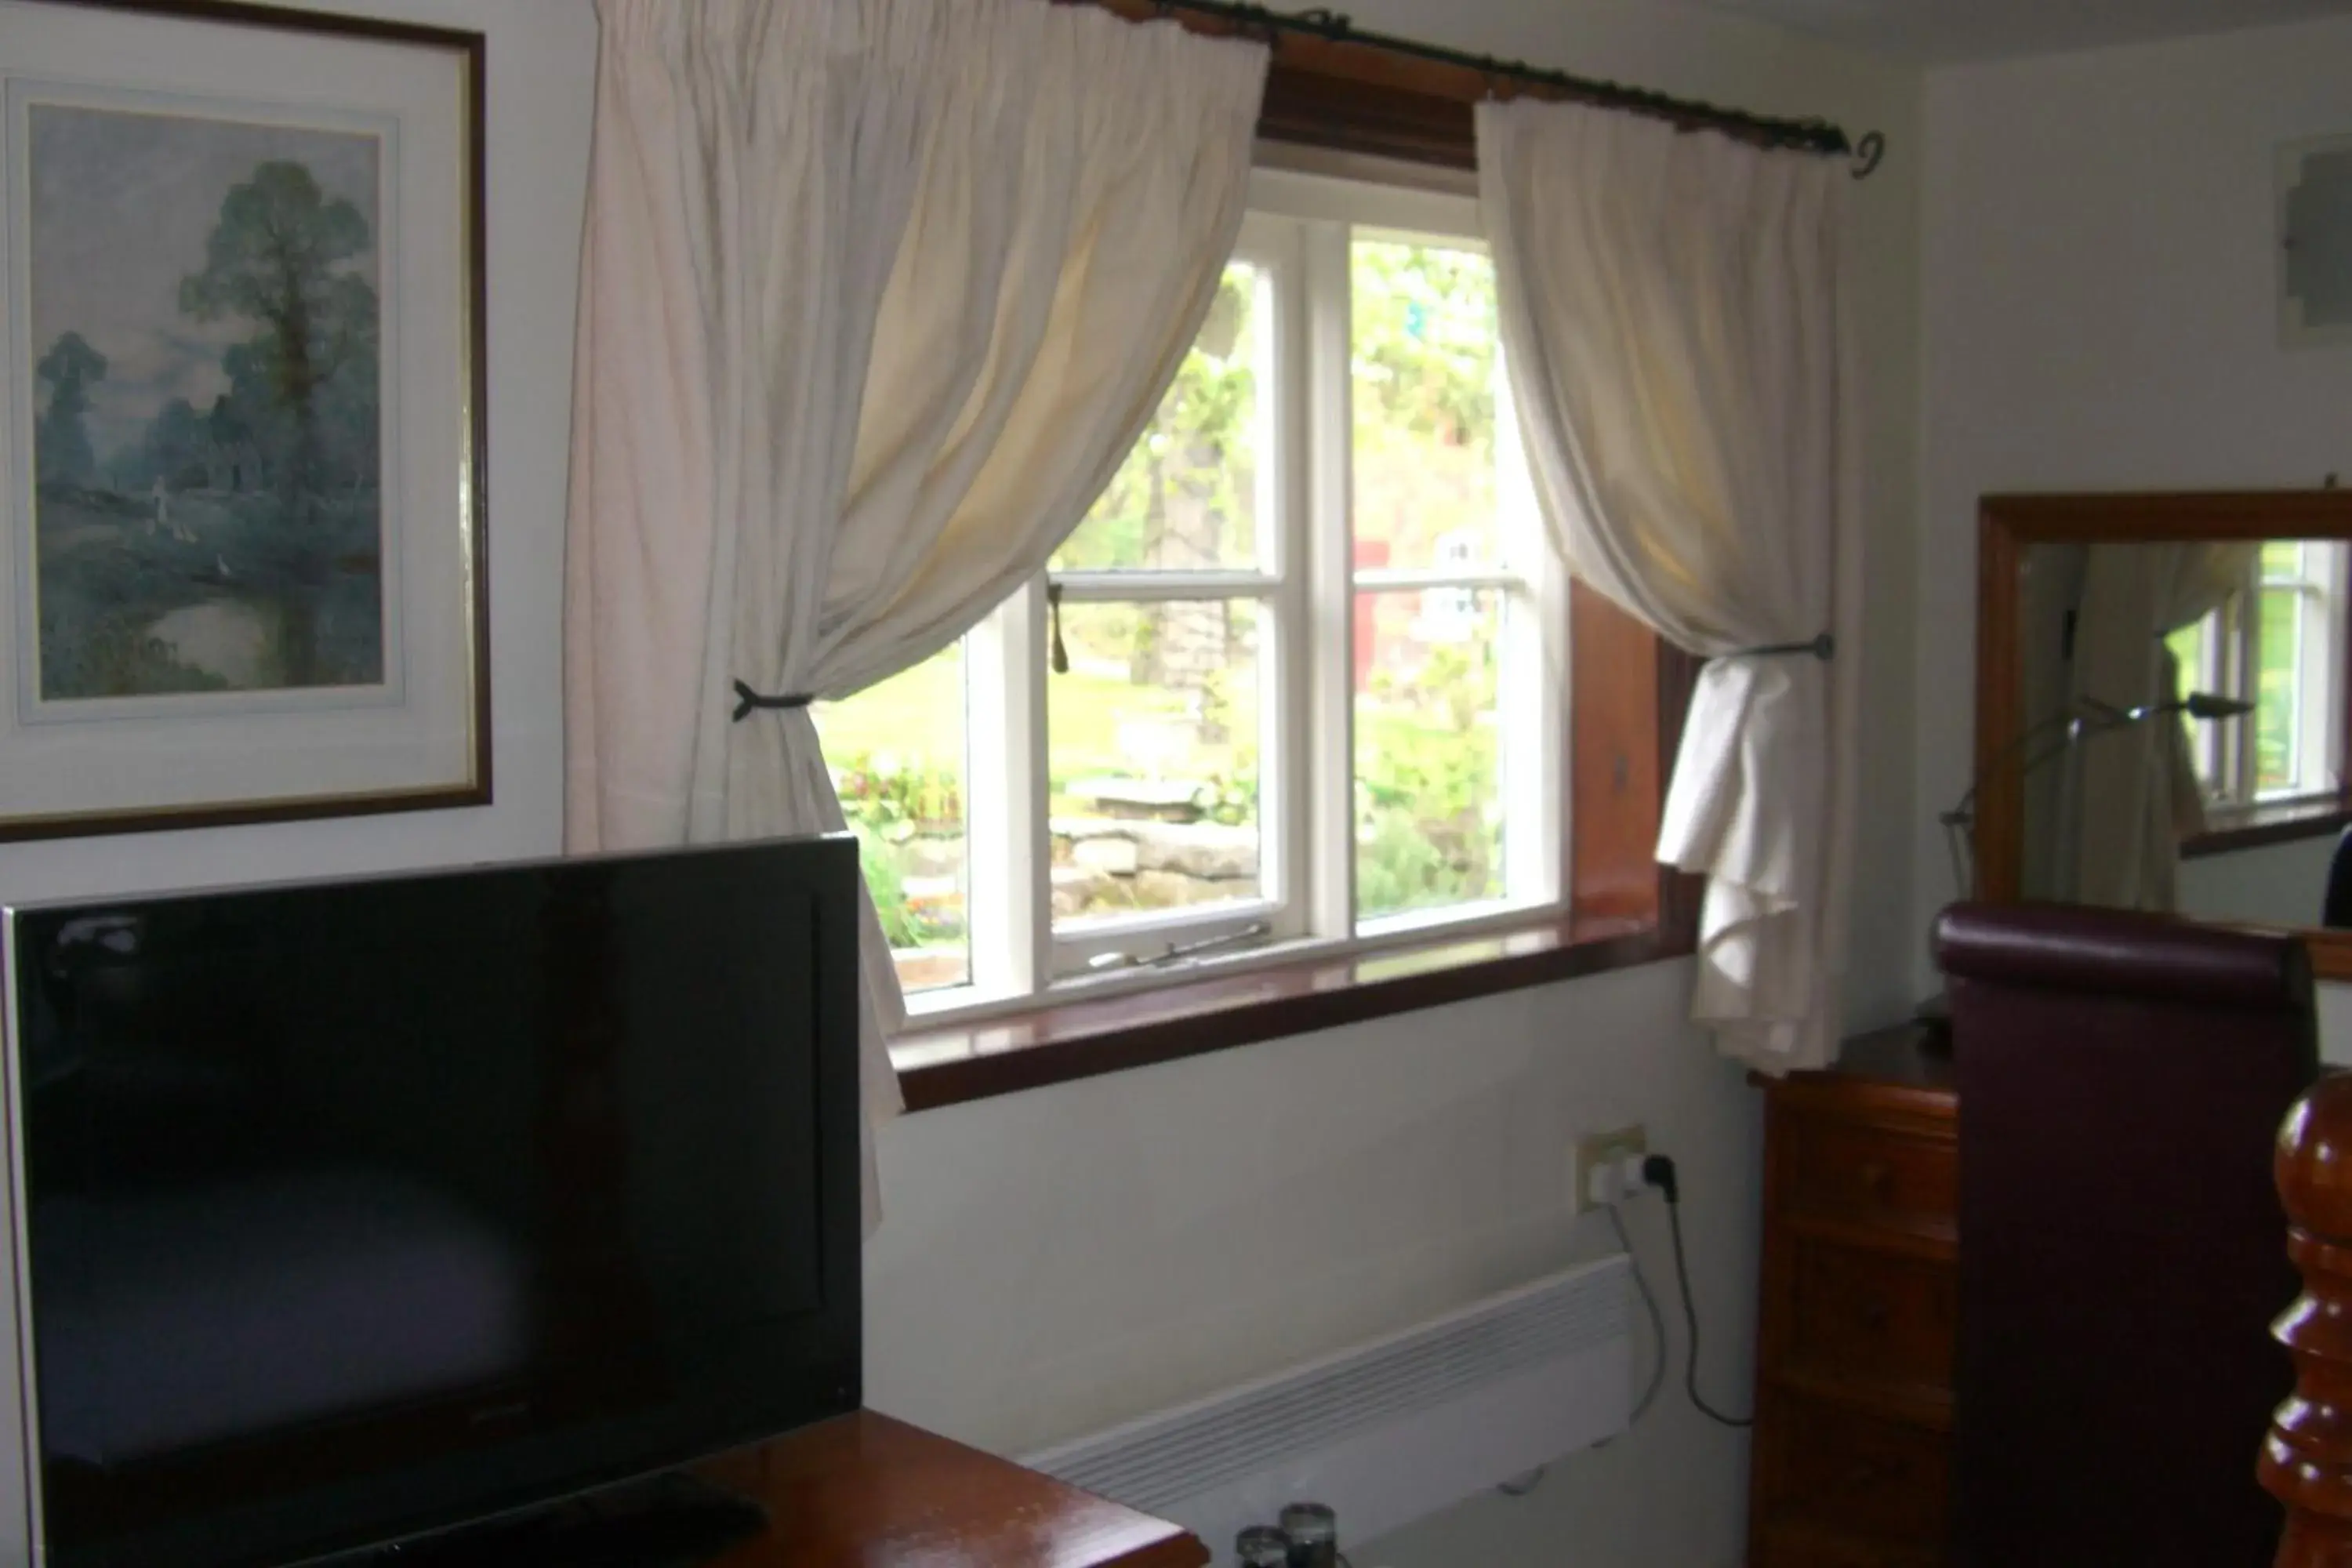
352	1211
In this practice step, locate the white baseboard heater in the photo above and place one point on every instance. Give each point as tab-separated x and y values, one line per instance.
1390	1431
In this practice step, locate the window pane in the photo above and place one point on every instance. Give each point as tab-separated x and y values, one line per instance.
1424	364
1429	797
2274	692
1152	757
2283	561
1186	498
897	754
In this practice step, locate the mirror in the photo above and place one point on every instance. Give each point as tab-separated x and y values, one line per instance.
2164	708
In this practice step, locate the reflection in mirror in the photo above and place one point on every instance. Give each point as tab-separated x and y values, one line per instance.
2256	632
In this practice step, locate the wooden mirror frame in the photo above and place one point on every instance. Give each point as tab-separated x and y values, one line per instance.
2008	527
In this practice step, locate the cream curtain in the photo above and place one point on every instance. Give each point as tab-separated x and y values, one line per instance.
874	296
2132	796
1673	318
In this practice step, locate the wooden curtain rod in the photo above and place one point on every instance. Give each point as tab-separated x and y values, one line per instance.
1503	77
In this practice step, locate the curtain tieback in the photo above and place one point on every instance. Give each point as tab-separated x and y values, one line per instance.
1822	648
746	700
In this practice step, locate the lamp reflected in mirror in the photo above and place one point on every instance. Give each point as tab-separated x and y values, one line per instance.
2057	739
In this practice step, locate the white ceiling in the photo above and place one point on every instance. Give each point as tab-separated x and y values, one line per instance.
1940	31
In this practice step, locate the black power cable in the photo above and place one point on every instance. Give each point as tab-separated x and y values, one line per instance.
1525	1486
1658	1170
1657	1320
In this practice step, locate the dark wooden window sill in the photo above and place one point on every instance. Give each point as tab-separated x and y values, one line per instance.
1063	1042
2271	824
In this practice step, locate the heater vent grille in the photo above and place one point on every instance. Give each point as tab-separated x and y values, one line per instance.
1166	1461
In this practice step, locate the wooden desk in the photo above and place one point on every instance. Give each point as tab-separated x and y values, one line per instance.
866	1492
1851	1461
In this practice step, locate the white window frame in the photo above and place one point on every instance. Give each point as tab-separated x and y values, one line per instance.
2228	754
2219	751
1275	585
2316	747
1297	235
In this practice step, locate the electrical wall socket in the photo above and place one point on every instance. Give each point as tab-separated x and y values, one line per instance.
1598	1149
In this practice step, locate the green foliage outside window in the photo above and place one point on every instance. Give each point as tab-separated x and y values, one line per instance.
1428	762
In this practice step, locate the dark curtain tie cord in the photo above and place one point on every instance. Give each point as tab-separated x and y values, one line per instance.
746	700
1822	648
1057	658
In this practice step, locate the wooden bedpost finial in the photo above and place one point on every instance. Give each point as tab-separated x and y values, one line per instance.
2306	1461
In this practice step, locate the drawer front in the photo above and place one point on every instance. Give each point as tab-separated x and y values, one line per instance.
1842	1171
1840	1473
1858	1316
1799	1549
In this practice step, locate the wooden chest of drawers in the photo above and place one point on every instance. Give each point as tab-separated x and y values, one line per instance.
1851	1452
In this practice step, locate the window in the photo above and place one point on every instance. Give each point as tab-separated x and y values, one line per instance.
1297	677
2278	642
898	761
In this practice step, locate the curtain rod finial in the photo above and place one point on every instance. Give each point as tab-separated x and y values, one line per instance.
1868	153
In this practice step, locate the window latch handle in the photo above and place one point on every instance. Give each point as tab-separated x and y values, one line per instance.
1255	931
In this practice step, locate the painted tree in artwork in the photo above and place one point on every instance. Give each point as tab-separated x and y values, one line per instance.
176	444
277	257
61	453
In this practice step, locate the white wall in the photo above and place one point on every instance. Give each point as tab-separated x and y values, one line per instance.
2335	1024
2277	884
2100	310
1056	1261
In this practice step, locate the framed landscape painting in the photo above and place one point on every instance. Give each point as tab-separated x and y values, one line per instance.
244	416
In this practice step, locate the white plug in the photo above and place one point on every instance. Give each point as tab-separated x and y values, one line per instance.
1603	1179
1630	1180
1616	1181
1600	1165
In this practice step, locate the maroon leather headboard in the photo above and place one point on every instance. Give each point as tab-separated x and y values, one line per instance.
2121	1079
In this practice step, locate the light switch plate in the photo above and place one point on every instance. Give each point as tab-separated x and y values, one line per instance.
2314	243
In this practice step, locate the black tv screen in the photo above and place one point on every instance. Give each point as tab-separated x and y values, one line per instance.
352	1211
